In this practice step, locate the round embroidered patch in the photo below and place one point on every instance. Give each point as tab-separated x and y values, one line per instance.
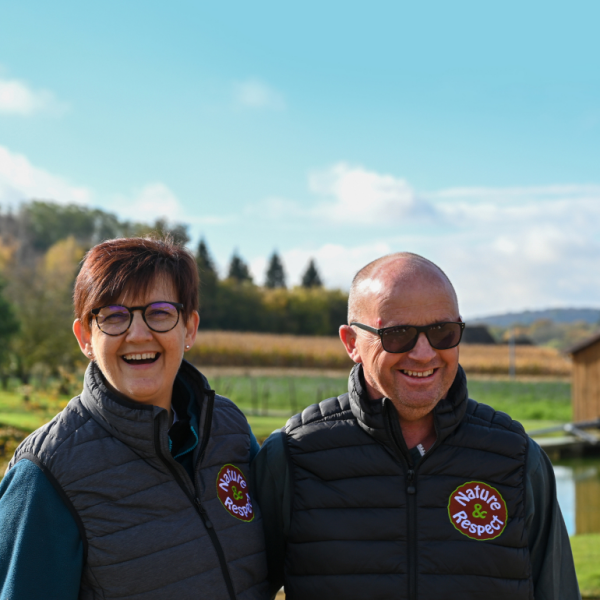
478	510
232	489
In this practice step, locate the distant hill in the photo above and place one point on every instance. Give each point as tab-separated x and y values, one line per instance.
557	315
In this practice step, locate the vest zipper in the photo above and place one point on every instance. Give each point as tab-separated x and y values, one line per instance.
411	492
411	501
207	424
196	501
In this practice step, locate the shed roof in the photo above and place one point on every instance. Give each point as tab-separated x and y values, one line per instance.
584	344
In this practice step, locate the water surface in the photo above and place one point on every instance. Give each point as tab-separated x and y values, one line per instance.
578	490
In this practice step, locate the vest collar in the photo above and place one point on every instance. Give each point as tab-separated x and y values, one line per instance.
131	422
374	415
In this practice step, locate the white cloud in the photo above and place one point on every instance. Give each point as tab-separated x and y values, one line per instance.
20	180
153	201
253	93
17	98
504	248
356	195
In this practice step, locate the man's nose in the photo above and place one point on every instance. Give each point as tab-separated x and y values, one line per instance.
138	330
422	351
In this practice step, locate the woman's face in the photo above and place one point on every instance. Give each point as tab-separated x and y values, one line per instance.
149	383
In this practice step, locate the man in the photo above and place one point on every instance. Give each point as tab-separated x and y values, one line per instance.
405	488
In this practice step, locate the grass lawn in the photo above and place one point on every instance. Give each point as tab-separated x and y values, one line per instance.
31	414
525	400
586	552
270	400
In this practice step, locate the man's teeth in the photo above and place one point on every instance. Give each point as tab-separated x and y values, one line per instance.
418	373
145	356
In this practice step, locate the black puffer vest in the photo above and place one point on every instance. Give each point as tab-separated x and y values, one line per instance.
367	524
149	532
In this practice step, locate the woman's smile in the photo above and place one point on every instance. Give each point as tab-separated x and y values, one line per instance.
136	359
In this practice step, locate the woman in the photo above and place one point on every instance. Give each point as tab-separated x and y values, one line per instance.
138	488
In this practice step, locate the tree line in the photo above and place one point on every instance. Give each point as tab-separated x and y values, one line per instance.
41	247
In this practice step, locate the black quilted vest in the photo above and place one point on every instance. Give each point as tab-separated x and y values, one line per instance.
367	524
149	531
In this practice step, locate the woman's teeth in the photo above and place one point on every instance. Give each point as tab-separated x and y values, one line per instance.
144	356
418	373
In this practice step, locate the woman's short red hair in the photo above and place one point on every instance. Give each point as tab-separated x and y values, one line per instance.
132	266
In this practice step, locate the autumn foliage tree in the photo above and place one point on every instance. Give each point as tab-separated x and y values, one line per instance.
41	246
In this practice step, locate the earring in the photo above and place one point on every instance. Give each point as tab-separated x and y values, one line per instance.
187	347
89	353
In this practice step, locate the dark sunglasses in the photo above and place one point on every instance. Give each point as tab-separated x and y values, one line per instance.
402	338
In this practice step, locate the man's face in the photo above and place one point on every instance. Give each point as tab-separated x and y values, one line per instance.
415	381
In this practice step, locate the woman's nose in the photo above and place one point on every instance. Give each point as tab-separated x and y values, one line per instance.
138	330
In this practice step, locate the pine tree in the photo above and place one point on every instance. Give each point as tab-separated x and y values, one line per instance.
238	269
204	260
208	291
311	277
275	277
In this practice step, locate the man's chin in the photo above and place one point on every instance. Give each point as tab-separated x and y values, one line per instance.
411	406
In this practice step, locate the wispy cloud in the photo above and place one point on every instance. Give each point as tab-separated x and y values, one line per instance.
148	203
20	180
504	248
354	195
18	98
155	201
256	94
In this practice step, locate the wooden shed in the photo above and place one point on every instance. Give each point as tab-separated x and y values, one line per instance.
477	334
585	391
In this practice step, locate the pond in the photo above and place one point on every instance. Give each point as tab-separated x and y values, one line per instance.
578	490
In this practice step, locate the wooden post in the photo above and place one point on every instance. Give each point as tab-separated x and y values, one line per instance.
512	367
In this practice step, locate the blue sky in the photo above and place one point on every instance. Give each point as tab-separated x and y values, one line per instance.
465	131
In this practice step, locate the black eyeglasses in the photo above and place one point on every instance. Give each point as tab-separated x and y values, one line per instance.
402	338
115	319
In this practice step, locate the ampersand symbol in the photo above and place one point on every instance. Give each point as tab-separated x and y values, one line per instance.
238	495
478	513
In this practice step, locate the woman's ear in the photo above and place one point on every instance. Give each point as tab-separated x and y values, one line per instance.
191	329
84	338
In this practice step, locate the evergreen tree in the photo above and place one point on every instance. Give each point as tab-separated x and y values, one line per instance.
311	278
204	260
209	282
238	269
275	274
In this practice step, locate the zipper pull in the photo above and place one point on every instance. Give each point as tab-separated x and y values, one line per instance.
204	514
411	489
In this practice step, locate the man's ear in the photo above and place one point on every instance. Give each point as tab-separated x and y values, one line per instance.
84	338
348	337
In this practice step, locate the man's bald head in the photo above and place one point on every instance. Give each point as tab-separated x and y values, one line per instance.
389	274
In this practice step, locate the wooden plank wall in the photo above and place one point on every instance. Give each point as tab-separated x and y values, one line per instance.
587	515
586	384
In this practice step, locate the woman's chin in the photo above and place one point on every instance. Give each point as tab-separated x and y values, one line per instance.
142	390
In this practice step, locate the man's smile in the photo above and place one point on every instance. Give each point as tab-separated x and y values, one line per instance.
418	374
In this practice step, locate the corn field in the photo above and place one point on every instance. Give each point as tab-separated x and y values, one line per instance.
233	349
